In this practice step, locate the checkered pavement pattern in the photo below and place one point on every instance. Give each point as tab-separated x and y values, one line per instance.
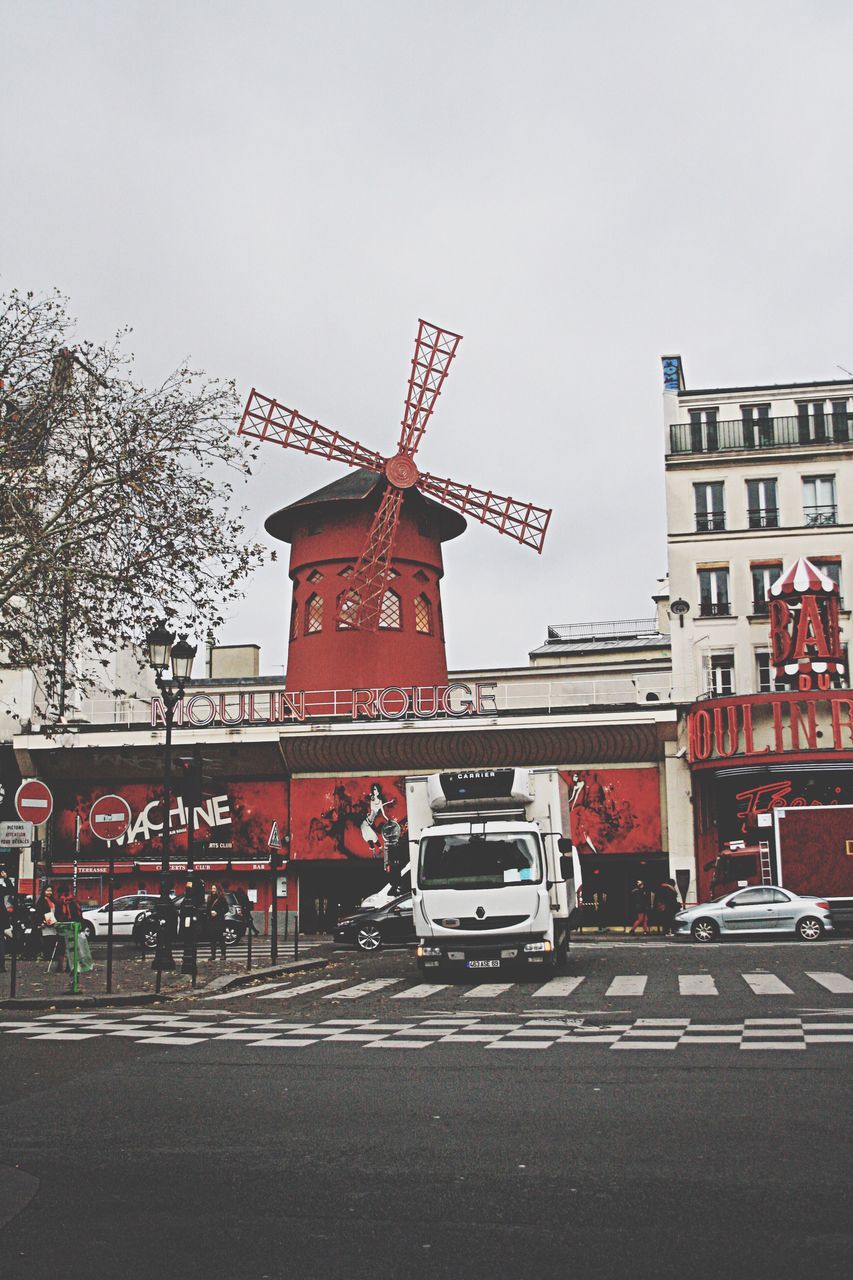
526	1033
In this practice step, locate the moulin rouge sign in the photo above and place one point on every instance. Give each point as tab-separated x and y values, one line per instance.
279	707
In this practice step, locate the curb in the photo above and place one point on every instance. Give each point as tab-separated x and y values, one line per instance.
226	982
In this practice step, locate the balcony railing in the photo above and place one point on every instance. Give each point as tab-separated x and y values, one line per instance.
769	433
711	523
710	609
826	514
763	517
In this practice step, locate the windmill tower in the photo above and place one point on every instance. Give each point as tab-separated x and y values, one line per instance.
366	557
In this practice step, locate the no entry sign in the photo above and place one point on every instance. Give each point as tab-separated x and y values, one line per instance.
109	817
33	801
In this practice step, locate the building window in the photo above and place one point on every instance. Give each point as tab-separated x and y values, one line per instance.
347	604
832	569
765	677
704	436
294	620
757	427
423	616
819	500
420	576
762	504
721	674
346	572
315	576
313	614
389	614
841	421
710	506
811	422
714	592
763	577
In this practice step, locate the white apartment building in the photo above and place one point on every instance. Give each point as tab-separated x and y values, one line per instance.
755	478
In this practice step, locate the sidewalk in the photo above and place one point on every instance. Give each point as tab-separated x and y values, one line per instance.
134	980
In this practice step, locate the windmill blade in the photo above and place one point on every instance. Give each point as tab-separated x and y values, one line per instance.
434	350
520	520
266	419
361	603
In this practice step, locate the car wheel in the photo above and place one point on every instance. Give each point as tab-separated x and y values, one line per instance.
232	934
89	930
368	938
705	930
148	936
809	929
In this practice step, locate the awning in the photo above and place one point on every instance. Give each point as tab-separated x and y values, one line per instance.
803	576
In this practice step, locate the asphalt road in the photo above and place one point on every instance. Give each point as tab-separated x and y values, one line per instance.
238	1138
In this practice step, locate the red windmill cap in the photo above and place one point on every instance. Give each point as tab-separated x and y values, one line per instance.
803	577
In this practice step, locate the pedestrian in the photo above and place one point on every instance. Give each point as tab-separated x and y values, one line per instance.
245	904
45	918
666	906
217	910
640	907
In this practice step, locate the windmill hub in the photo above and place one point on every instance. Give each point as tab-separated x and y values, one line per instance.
401	471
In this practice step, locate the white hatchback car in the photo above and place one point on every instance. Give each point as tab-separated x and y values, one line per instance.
760	909
126	911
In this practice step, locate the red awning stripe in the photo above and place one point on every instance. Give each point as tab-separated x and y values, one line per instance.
803	576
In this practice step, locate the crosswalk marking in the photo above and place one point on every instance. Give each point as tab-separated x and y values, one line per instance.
628	985
697	984
834	982
559	987
766	984
486	990
290	992
420	992
363	989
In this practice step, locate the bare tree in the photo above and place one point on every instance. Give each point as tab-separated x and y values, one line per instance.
116	500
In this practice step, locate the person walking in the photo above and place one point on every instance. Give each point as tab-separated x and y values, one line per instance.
640	907
217	910
666	906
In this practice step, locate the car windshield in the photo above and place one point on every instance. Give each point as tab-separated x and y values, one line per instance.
485	861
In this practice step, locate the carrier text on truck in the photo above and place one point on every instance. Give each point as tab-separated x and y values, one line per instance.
494	873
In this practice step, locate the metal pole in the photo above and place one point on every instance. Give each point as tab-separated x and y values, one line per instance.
250	928
111	883
75	966
163	958
274	939
16	928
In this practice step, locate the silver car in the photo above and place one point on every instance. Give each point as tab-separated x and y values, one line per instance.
761	909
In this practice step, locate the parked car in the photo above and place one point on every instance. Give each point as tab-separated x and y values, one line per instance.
126	911
387	893
146	927
760	909
370	930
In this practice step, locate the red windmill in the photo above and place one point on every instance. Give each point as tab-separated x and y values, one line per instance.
359	606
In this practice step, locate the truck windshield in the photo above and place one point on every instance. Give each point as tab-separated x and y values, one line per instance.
487	861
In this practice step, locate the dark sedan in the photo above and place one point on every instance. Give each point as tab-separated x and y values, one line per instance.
370	930
145	929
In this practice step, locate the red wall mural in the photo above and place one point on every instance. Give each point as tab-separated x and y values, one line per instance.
347	818
615	810
235	819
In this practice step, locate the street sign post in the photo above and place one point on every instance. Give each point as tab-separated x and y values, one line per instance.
109	818
33	801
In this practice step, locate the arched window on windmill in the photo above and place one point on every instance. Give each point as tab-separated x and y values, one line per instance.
294	620
313	614
423	615
346	607
390	618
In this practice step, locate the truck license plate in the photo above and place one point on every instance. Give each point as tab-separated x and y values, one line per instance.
484	964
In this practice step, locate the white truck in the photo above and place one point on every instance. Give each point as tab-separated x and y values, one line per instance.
494	874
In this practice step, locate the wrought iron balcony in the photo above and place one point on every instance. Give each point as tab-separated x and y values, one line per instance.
826	514
767	433
763	517
712	609
710	523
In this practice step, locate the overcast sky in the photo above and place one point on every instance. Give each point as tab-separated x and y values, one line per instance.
279	190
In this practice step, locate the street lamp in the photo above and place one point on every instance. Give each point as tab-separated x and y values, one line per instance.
161	651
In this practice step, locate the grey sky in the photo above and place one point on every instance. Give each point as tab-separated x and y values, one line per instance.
280	190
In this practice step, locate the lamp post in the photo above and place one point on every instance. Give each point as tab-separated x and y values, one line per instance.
162	651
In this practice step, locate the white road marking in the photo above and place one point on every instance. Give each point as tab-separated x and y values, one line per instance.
697	984
488	989
766	984
559	987
243	991
363	989
420	992
628	985
302	990
834	982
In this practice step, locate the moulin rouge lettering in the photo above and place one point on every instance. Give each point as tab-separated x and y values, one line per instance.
419	702
808	722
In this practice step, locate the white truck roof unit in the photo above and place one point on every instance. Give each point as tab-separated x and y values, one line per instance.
479	793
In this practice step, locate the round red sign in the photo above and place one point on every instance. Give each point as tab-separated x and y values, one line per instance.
109	817
33	801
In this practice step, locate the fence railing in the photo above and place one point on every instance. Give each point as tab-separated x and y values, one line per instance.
768	433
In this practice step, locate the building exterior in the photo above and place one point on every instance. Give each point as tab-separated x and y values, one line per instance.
757	477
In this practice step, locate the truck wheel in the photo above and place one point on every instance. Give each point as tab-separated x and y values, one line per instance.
809	929
704	930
